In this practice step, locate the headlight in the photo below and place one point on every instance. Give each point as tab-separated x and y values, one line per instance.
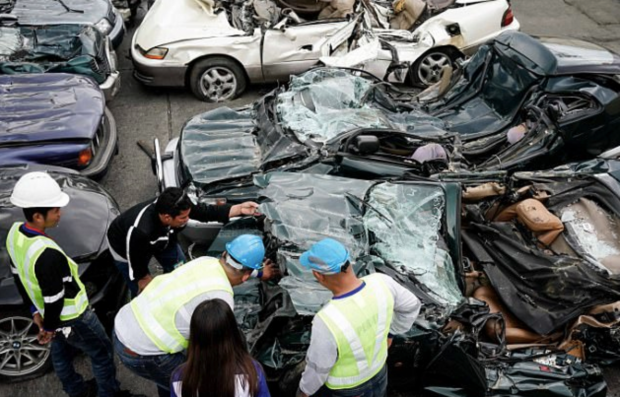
155	53
104	26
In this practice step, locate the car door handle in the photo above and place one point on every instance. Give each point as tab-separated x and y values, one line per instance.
307	47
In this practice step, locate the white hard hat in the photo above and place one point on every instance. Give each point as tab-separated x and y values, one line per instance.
38	189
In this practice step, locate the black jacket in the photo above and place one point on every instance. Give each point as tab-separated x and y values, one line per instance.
137	234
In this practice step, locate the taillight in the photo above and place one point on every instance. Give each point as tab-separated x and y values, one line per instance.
508	17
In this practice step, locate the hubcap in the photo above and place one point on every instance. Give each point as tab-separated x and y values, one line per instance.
218	84
431	66
20	353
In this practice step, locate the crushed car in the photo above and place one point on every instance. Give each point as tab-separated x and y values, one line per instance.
56	119
255	41
98	13
88	215
68	48
536	303
348	123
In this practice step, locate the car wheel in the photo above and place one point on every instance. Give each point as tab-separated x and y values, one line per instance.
21	356
426	71
217	79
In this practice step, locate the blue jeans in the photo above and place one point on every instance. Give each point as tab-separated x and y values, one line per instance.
88	335
375	387
168	259
155	368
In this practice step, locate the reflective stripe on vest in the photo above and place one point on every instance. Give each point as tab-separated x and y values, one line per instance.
24	252
156	307
360	325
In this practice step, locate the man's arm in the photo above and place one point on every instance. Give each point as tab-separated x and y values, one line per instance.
320	358
210	213
52	271
406	307
222	213
21	289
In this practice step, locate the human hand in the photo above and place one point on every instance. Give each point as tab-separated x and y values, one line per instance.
247	208
144	281
389	342
270	270
44	337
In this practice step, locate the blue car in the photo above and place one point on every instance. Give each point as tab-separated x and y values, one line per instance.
56	119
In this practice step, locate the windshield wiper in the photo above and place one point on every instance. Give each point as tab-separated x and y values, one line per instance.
66	7
367	204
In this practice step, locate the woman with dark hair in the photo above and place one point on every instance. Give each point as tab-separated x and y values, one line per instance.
218	363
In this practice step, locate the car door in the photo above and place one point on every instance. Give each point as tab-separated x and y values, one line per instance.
293	49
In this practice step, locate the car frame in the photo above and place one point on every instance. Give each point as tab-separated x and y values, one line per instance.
219	62
99	13
65	122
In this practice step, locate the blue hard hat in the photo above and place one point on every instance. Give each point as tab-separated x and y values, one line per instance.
247	250
326	257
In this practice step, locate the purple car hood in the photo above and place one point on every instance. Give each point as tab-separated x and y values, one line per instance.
48	107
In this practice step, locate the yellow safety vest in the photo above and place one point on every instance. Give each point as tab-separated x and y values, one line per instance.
156	307
360	325
24	252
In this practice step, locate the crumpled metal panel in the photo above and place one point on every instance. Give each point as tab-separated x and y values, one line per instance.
324	103
48	107
46	12
405	221
219	144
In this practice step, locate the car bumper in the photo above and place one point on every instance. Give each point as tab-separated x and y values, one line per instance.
118	31
106	149
111	86
152	72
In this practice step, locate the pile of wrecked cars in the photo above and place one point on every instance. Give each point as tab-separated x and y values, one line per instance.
57	70
216	48
494	196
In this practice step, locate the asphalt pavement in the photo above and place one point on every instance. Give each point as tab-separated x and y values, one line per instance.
146	113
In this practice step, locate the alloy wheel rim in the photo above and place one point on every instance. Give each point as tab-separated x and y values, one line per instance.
218	84
431	66
20	353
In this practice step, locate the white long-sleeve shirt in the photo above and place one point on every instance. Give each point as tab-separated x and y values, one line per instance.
323	351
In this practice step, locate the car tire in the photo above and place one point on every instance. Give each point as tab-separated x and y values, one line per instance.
18	343
426	71
217	79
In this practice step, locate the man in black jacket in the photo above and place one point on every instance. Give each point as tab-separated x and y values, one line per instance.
150	229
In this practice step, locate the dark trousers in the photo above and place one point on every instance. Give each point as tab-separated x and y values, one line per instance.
154	368
87	335
374	387
168	259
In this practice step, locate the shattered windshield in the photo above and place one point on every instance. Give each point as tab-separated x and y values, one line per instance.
405	221
322	104
394	224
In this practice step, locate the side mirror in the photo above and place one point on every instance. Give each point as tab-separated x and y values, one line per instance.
366	144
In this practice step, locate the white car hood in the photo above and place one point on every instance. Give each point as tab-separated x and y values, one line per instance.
169	21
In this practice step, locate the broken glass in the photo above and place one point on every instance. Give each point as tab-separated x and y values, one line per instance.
10	42
405	221
322	104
